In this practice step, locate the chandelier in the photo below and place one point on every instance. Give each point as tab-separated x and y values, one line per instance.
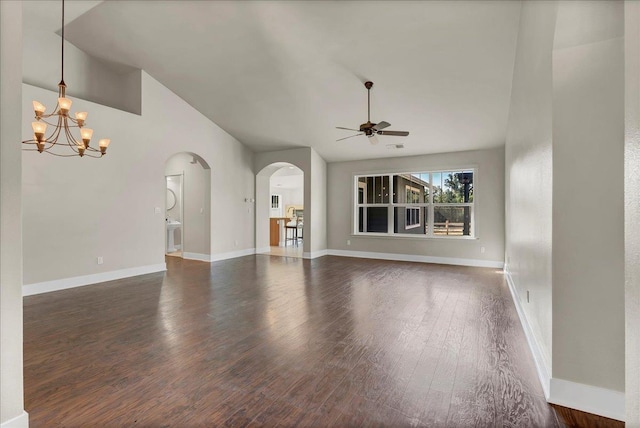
62	124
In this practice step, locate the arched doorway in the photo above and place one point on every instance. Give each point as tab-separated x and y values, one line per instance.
281	221
188	207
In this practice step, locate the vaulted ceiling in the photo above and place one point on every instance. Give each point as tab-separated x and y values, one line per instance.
283	74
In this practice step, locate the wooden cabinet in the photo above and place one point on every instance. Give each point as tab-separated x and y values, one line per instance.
274	230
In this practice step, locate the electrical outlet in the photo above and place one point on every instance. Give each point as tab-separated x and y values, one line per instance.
527	296
99	260
348	241
482	250
237	242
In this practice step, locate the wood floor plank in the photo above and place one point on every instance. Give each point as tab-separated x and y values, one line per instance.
276	341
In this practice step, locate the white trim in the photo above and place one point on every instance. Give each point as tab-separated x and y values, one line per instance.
315	254
587	398
196	256
417	258
20	421
544	372
79	281
263	250
232	254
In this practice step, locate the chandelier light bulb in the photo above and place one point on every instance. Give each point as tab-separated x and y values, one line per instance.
103	144
39	108
81	116
39	128
64	104
81	150
86	133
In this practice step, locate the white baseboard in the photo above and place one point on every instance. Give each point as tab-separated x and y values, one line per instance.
232	254
196	256
315	254
587	398
79	281
417	258
263	250
544	372
20	421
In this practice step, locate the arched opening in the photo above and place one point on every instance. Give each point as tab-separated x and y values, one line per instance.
188	207
280	222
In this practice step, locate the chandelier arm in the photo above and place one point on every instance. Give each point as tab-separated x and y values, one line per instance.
48	123
62	156
53	138
71	141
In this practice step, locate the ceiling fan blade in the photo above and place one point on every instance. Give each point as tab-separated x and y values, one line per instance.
394	133
373	139
348	129
381	125
350	136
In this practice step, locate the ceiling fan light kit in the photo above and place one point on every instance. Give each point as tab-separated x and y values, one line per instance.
371	130
63	124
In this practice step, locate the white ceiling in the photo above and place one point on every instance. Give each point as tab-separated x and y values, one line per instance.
281	74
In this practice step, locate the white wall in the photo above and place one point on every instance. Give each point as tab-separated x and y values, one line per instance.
196	200
291	187
564	199
489	206
632	213
11	383
528	173
78	209
318	207
588	194
86	77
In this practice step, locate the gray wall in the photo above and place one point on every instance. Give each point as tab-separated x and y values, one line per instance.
11	384
318	208
588	194
632	213
528	172
489	206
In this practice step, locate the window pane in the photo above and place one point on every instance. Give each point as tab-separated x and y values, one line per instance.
452	221
453	187
411	188
376	219
374	190
410	220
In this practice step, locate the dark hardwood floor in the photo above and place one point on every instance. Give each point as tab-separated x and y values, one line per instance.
277	341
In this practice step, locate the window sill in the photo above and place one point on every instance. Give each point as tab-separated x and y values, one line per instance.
409	236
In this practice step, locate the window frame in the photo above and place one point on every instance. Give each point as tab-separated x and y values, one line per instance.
429	206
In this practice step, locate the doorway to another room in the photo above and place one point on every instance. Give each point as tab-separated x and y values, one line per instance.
188	207
174	215
286	214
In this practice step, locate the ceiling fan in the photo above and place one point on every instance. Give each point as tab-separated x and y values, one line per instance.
372	129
